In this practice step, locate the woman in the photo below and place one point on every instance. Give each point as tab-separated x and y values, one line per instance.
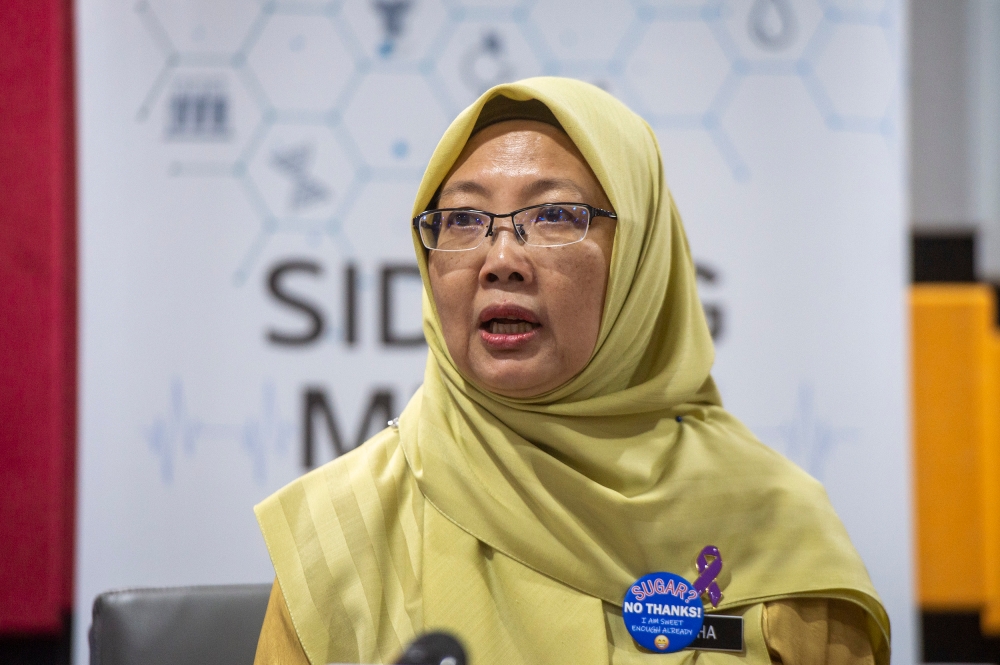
568	438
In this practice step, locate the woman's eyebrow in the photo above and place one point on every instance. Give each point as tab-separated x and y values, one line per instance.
539	187
531	190
463	187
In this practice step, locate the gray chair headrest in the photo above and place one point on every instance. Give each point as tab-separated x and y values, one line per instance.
217	625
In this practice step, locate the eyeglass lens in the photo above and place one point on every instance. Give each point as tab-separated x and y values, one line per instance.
546	225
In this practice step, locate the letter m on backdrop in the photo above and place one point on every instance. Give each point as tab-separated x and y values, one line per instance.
318	407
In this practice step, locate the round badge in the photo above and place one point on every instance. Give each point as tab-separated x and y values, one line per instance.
663	612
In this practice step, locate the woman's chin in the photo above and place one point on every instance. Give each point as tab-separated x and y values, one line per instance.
517	378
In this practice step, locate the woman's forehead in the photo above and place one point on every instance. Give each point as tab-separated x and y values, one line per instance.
529	155
523	135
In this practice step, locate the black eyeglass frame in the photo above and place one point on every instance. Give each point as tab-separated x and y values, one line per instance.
593	211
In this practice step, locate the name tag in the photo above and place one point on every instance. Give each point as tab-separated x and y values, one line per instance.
719	632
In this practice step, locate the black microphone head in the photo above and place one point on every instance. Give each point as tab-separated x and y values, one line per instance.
433	649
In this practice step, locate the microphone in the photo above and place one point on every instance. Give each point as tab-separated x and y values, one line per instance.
433	649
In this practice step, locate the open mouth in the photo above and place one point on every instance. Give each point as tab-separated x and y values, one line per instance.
508	326
505	325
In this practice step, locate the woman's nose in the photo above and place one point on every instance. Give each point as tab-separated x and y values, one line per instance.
506	258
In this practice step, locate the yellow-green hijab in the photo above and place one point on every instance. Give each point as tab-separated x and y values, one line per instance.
631	467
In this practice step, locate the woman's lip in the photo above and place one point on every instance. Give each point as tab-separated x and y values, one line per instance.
507	312
506	342
498	341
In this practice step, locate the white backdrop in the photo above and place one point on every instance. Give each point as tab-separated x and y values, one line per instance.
247	170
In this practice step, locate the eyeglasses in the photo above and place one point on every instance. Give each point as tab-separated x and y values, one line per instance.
545	225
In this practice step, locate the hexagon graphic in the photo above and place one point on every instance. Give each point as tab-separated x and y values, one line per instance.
301	172
858	6
396	30
482	54
855	74
769	119
492	4
301	62
219	26
379	223
769	30
396	120
202	113
592	30
671	6
680	150
676	70
149	58
599	77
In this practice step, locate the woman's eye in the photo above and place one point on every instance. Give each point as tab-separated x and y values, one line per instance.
555	215
463	219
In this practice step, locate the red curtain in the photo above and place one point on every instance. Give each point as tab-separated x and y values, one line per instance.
37	314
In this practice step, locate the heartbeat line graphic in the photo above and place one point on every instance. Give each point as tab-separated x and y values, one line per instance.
808	439
180	433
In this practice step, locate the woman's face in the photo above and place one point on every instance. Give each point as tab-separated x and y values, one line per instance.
521	320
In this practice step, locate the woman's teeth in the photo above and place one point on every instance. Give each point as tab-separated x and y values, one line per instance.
498	328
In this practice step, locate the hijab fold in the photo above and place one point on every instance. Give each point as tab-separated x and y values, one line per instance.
631	467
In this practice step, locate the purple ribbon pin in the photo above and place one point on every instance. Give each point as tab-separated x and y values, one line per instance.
708	572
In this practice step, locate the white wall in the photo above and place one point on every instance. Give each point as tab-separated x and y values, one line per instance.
784	132
955	103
